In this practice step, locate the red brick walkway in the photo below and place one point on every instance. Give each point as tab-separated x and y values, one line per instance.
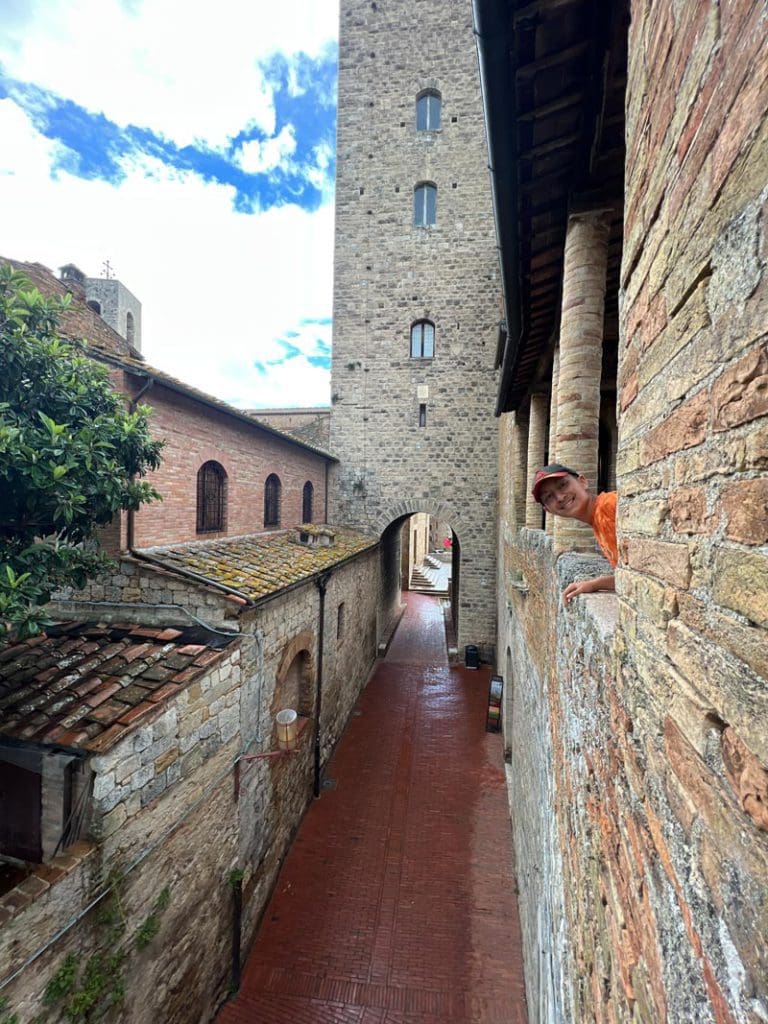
395	904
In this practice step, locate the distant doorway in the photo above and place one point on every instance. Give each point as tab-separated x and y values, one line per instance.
420	554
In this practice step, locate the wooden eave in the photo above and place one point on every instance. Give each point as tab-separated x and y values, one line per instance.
555	74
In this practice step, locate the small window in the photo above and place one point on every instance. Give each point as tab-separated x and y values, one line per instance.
340	621
94	305
424	204
211	499
306	502
272	490
129	328
428	112
422	415
423	340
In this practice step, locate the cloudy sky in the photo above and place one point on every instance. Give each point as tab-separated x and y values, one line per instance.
192	146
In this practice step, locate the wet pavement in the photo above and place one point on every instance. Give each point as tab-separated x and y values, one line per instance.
395	904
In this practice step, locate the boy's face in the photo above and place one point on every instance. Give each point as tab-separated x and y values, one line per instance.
565	496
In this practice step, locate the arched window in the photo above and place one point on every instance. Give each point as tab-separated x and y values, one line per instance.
94	305
423	340
424	204
272	500
306	502
129	329
428	106
211	498
340	621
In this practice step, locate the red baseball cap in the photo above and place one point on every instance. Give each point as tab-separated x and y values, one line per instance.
549	473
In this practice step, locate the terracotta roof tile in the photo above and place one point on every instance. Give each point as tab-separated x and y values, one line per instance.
260	565
70	691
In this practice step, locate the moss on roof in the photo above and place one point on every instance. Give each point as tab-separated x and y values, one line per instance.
259	565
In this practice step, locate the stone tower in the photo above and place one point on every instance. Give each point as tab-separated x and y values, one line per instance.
117	306
416	291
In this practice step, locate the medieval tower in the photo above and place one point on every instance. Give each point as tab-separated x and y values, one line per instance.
416	292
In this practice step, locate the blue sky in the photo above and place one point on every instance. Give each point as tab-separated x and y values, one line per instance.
193	148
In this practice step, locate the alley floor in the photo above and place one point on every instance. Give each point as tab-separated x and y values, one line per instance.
395	904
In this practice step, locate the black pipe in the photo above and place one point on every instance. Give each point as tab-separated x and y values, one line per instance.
237	917
322	585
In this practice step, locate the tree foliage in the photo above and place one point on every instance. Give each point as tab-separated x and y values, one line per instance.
72	454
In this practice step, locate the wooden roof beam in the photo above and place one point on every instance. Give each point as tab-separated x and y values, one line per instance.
553	60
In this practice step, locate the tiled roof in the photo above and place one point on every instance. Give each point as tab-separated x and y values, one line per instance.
79	322
256	566
84	685
134	365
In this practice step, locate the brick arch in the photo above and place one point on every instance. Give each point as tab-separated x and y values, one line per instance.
409	506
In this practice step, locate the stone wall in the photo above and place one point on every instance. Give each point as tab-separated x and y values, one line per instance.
390	273
177	807
636	726
310	425
693	598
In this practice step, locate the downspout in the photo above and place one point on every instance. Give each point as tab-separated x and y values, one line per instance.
322	585
325	513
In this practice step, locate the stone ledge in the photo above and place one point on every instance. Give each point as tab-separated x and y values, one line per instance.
42	878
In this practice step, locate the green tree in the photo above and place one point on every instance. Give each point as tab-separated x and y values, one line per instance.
71	455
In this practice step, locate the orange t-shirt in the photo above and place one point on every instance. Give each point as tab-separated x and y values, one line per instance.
604	525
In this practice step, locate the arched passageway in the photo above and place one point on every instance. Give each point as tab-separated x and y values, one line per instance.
420	552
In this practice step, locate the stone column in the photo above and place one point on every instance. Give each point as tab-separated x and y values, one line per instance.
520	467
537	446
581	358
552	456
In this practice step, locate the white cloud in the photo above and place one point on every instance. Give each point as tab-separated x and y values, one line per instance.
216	287
258	157
186	70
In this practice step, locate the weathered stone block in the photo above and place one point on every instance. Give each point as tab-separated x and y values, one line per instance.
745	503
688	511
740	394
644	517
685	428
741	583
669	562
750	643
757	448
747	776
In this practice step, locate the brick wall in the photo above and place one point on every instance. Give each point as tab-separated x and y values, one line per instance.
389	274
195	434
640	826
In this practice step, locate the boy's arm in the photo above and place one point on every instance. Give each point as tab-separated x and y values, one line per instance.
588	587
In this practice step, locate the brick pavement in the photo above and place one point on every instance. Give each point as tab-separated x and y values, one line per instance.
396	902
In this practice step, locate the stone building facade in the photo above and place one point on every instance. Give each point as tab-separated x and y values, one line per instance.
635	723
415	292
189	797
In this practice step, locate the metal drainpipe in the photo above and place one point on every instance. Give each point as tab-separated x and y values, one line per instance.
322	585
325	513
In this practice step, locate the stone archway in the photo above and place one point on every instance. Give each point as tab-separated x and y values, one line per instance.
390	526
294	682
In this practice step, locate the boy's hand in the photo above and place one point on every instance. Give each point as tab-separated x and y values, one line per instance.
587	587
574	589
